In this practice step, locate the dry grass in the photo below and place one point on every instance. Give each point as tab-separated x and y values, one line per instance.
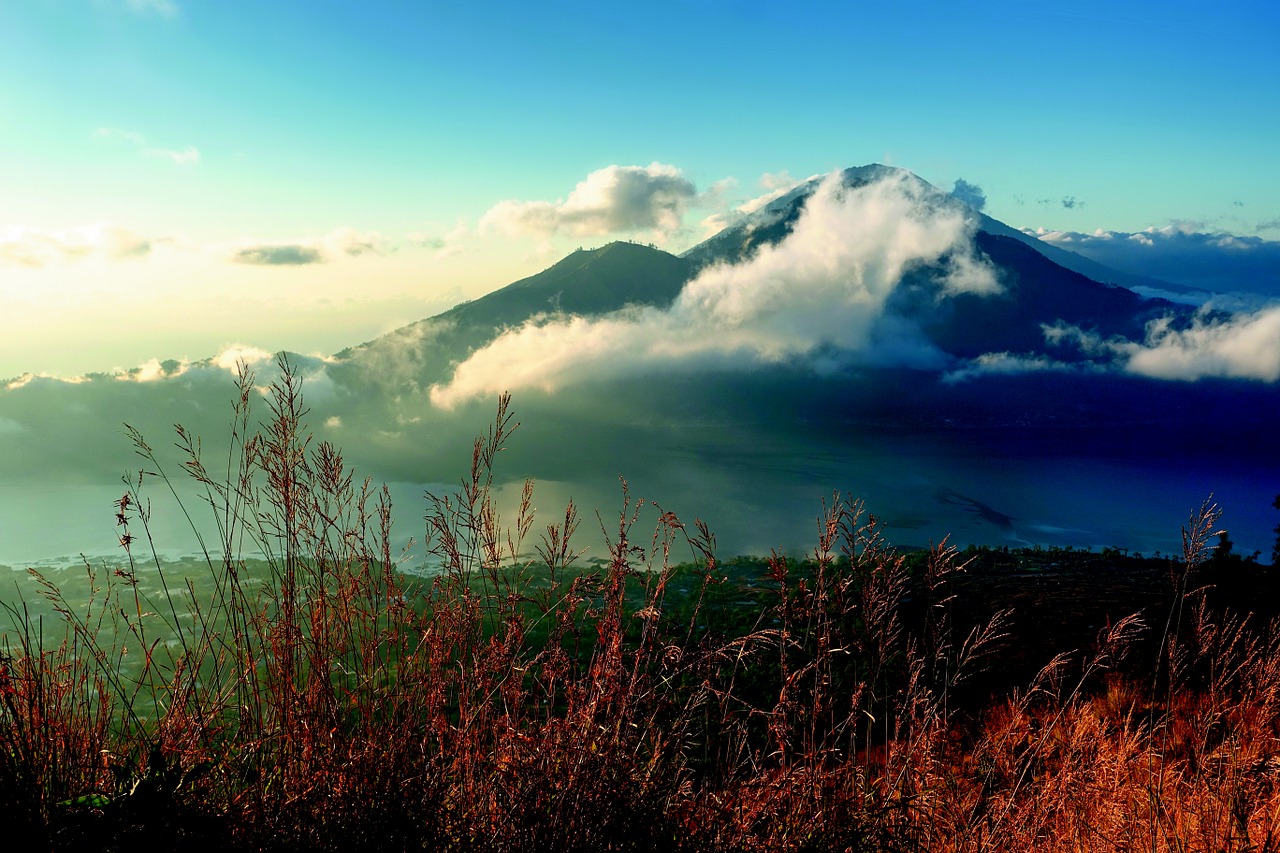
520	702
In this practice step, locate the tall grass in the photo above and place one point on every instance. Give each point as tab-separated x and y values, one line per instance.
306	694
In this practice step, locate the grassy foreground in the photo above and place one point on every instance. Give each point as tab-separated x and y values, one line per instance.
307	695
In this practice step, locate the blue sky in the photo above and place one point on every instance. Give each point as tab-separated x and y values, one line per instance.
151	149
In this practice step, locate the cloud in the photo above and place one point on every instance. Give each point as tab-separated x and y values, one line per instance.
1068	202
1004	364
35	247
444	245
233	355
1270	225
777	185
970	194
611	200
824	287
292	255
348	241
1180	252
1244	345
69	427
342	241
717	196
154	370
183	157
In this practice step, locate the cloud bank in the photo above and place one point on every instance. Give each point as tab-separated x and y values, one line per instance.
612	200
1245	345
825	286
1182	253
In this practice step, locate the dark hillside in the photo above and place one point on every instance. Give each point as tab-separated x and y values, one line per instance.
1038	292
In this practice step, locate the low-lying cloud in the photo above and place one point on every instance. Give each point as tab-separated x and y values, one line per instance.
1183	253
826	285
1005	364
1245	345
612	200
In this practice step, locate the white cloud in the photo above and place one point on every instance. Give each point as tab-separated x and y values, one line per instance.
348	241
34	247
718	194
232	356
779	180
154	370
611	200
181	157
776	185
825	285
1245	345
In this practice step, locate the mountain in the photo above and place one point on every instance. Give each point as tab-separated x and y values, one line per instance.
586	282
773	222
589	282
742	384
1038	290
1037	293
1043	285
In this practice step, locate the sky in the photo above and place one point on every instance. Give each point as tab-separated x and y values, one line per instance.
179	177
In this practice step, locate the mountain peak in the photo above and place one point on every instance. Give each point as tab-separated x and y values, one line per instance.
587	281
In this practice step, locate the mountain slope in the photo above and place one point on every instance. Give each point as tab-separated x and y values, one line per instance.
589	282
1037	292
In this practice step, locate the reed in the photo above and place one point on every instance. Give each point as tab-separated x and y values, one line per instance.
308	694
